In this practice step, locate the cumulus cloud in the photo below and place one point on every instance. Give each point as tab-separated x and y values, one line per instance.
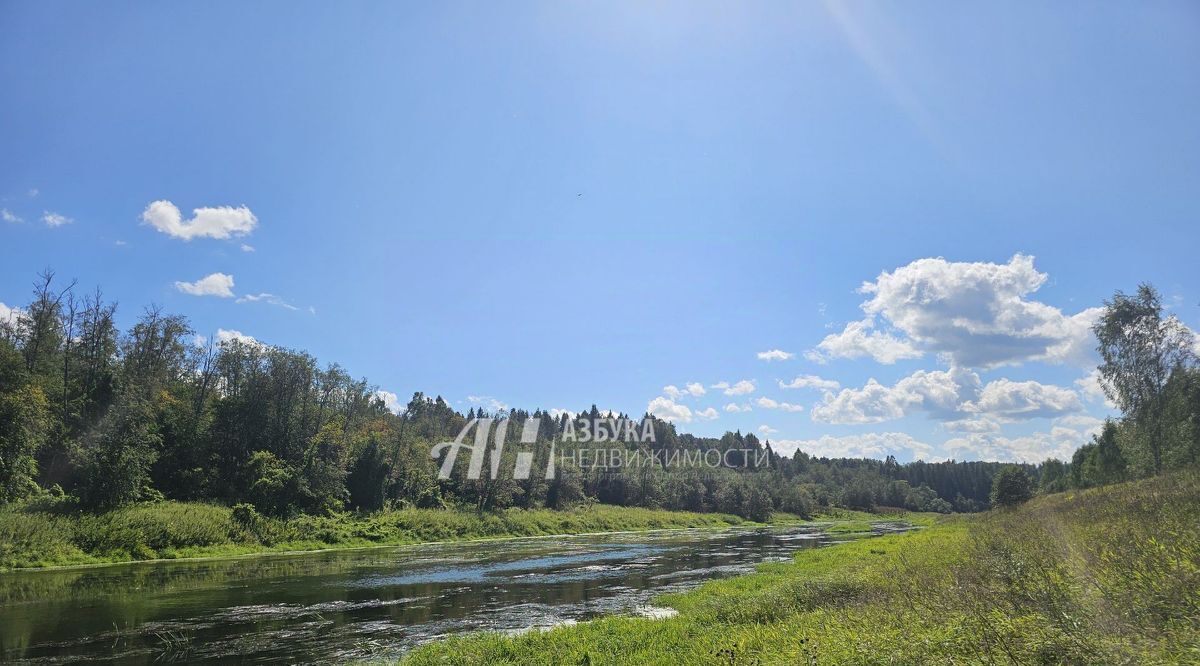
220	222
1089	387
557	412
860	339
955	396
740	388
810	382
735	408
872	403
224	336
975	314
867	445
9	316
708	414
270	299
767	430
1009	400
768	403
972	424
775	355
693	389
487	402
247	248
1065	435
53	219
668	410
390	400
214	284
9	216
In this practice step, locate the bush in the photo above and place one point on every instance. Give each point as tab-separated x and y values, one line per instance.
1012	486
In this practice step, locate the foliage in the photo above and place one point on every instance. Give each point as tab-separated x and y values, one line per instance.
1141	351
54	531
115	418
1011	487
1104	576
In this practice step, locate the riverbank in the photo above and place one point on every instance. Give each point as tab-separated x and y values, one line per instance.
32	538
1109	575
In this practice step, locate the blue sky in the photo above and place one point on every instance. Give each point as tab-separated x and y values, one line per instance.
562	204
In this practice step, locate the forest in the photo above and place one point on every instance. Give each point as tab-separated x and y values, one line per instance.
93	418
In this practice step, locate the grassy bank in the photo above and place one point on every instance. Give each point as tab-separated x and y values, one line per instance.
39	538
1105	576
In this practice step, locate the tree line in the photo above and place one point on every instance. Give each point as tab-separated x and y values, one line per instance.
94	418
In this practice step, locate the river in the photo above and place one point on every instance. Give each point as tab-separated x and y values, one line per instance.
372	603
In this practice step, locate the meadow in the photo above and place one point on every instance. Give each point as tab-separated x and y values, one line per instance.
1108	575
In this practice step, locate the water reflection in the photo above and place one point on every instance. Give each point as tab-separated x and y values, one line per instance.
352	604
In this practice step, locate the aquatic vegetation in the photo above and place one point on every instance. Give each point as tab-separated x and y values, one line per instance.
36	536
1108	575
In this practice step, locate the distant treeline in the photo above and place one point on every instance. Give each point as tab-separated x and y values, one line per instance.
94	418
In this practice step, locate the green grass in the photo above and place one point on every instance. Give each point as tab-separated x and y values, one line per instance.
1104	576
33	537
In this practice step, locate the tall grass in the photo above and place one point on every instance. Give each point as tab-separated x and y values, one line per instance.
35	536
1104	576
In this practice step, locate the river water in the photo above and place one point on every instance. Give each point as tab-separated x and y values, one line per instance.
373	603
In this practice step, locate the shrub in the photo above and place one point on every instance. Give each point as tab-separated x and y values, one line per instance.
1011	487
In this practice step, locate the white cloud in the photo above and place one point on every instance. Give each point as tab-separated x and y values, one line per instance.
199	340
224	336
870	404
972	424
220	222
33	192
768	403
859	339
247	248
741	388
1089	387
1066	434
215	284
669	410
735	408
955	396
775	355
1030	448
9	315
767	430
1089	425
877	445
270	299
974	314
693	389
1009	400
488	402
708	414
390	400
9	216
54	219
557	413
810	381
